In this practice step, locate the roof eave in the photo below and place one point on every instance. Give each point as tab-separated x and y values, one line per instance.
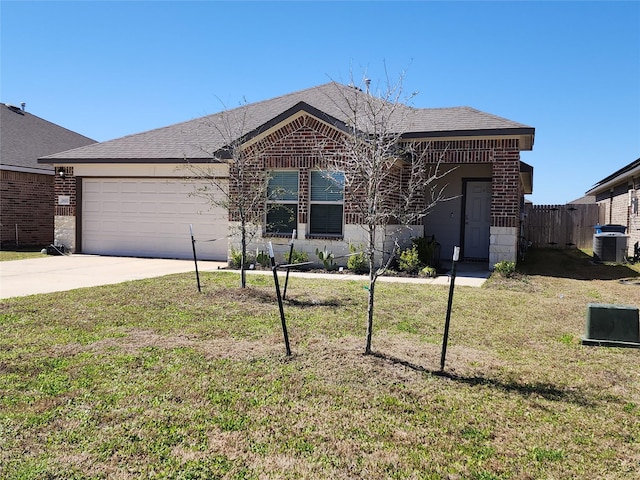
86	161
526	135
19	168
526	176
613	181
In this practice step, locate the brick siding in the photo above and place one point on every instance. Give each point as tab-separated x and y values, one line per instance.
504	155
301	145
306	143
26	200
505	196
620	208
633	228
66	185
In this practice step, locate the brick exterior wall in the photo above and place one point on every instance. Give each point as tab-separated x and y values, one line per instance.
633	229
506	194
504	155
65	224
621	206
296	146
616	204
66	185
301	145
26	200
305	142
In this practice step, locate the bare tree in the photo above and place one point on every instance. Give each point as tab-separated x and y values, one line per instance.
242	193
389	182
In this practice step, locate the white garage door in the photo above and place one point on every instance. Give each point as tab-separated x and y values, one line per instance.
150	218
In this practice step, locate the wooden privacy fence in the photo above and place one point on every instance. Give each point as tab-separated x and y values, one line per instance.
560	226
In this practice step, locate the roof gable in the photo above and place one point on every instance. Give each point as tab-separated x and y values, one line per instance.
25	137
199	138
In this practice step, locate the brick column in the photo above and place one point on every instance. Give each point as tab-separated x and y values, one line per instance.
505	206
64	221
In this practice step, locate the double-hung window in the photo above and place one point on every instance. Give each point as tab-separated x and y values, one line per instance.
282	202
326	203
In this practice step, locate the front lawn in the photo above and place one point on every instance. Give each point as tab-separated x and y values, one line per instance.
21	254
150	379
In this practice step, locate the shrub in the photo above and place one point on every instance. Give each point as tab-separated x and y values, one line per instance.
236	258
409	261
505	268
263	258
428	272
428	250
357	261
327	258
296	256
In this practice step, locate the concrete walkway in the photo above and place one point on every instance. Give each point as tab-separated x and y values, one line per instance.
20	278
470	275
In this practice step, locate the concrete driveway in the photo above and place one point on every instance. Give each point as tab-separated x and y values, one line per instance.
19	278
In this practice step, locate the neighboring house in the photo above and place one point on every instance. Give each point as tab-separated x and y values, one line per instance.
26	187
129	196
617	195
584	200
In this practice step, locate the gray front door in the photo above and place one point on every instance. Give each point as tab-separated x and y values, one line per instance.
477	220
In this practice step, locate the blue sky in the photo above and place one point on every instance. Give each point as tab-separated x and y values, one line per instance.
569	69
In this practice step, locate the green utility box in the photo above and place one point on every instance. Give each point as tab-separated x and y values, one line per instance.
612	326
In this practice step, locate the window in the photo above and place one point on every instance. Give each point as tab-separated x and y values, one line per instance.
282	203
327	203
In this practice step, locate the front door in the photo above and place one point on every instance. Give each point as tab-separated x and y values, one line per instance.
477	220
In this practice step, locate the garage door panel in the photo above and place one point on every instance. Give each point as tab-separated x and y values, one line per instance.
129	207
112	227
91	187
114	188
91	207
148	207
111	207
166	207
149	218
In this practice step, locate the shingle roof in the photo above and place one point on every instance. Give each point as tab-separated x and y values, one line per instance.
25	137
196	139
630	170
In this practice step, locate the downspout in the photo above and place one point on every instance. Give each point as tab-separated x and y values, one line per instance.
610	206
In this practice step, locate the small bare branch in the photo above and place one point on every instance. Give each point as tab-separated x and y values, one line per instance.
389	182
243	192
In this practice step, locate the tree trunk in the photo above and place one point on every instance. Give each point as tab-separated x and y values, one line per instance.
243	256
372	286
373	275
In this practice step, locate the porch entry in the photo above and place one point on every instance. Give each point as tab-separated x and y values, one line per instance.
477	219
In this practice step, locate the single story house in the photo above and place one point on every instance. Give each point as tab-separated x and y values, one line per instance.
617	195
26	186
131	196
